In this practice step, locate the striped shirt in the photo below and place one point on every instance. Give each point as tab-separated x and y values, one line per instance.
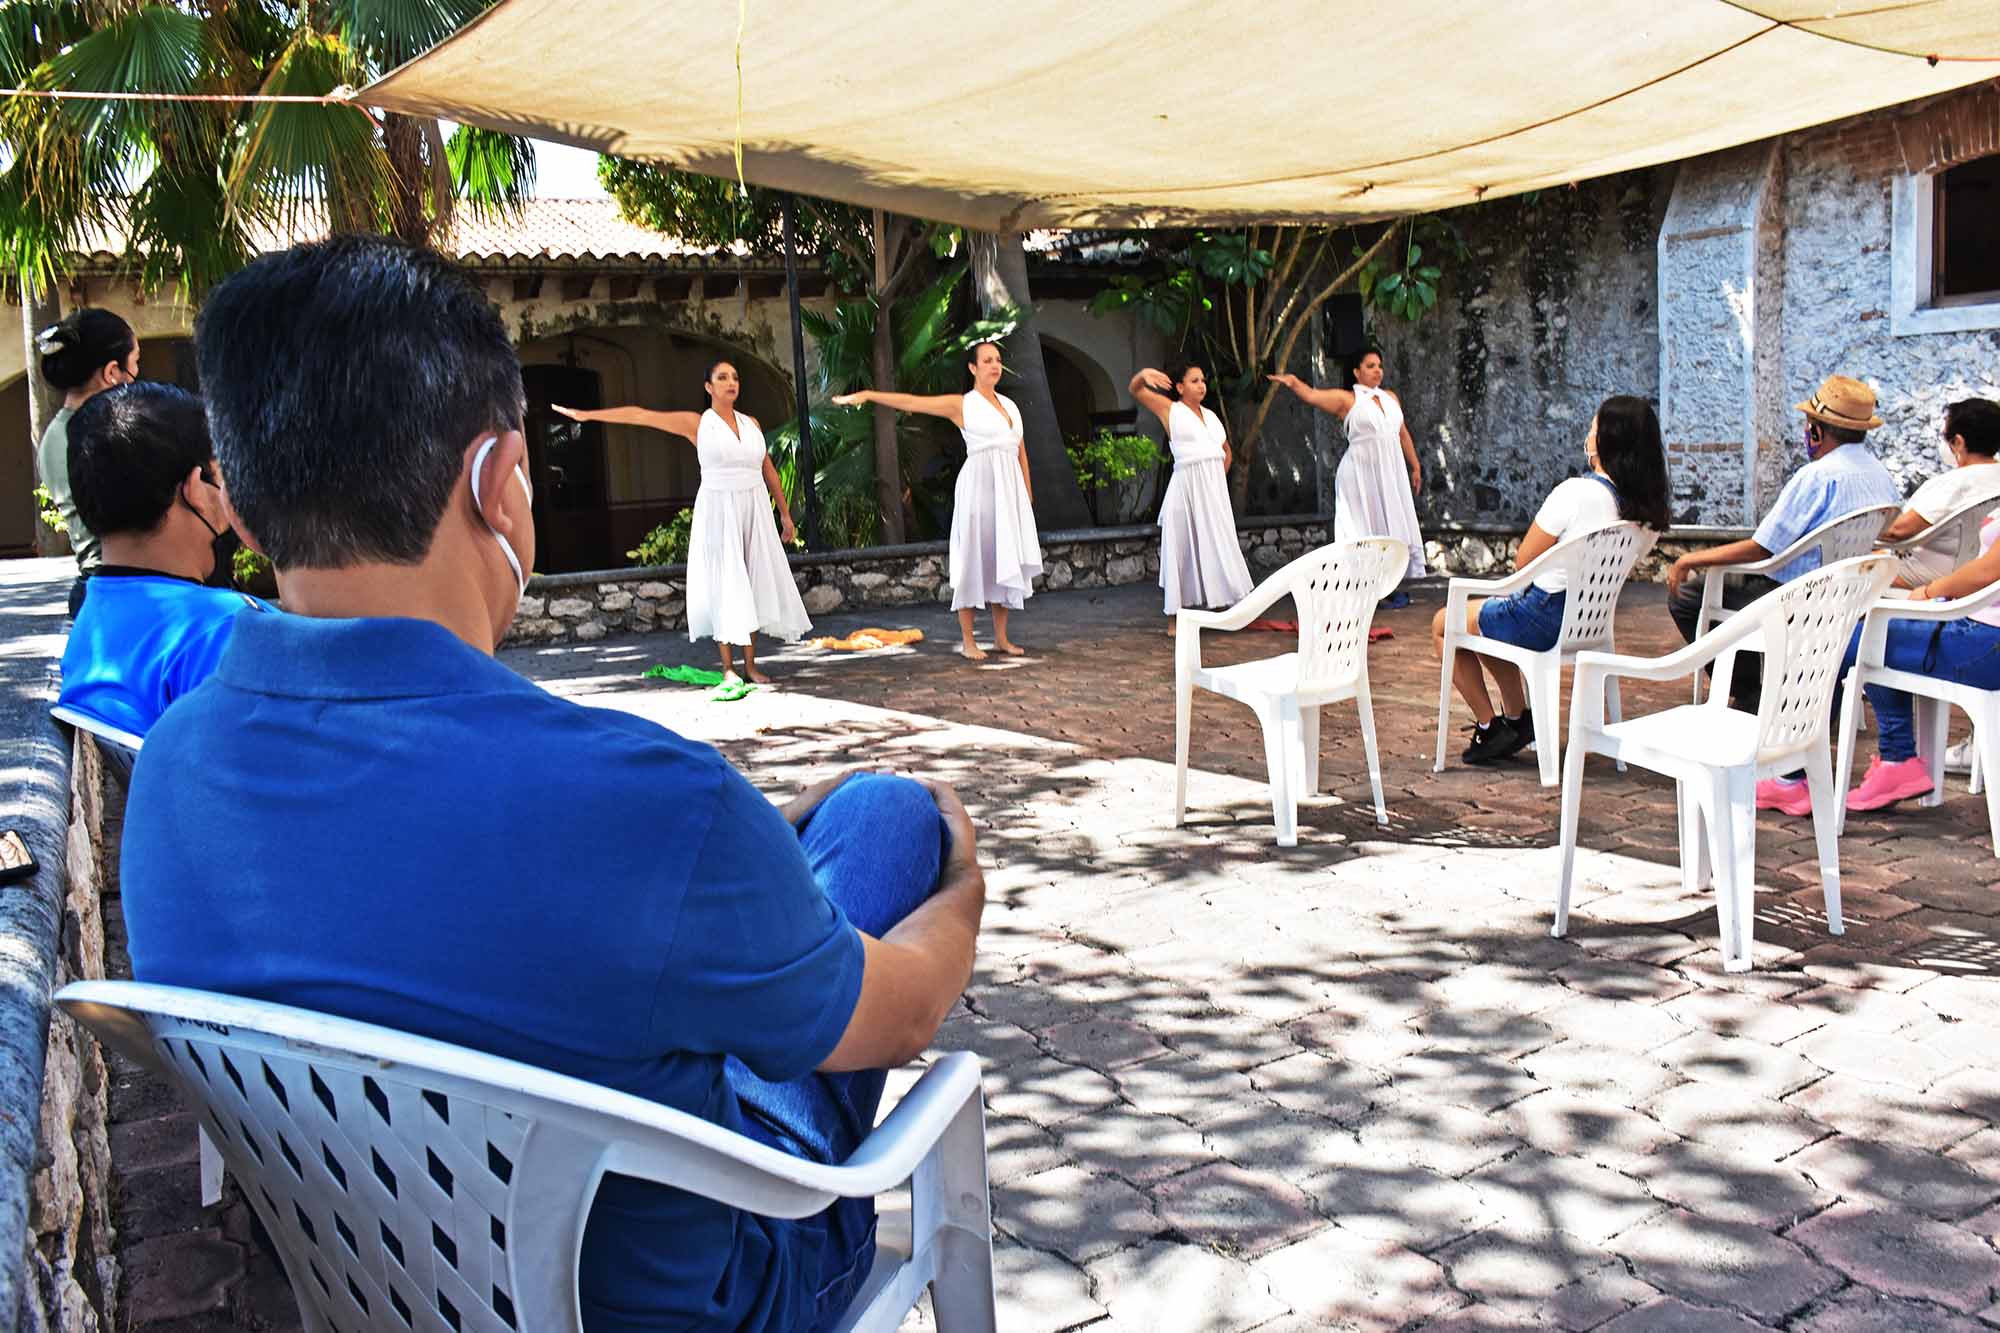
1838	482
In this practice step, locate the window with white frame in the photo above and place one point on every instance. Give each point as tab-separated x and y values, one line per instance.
1946	249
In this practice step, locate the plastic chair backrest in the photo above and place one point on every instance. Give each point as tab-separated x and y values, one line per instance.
1598	565
1853	534
1335	590
1956	535
1807	625
409	1183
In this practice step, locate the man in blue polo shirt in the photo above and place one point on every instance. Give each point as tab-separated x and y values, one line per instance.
1839	476
383	822
142	477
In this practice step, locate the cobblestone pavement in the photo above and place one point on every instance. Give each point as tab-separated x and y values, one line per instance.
1355	1083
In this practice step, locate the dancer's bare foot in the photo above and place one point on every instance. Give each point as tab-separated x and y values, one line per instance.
756	674
730	677
972	651
1173	626
1010	648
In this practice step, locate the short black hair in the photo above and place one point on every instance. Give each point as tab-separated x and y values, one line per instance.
130	448
82	343
1354	362
1839	434
344	379
1978	420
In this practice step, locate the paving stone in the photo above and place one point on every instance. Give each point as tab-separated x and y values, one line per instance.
1670	1314
142	1145
1103	1044
1234	1211
1625	1024
1460	1078
1588	1069
1260	1136
1343	1279
1497	988
1497	1033
1740	1121
1123	1141
1312	1083
1227	1040
1596	1129
1716	1183
1074	1213
1859	1310
1980	1151
1737	1014
1839	964
1536	1194
1342	1038
1746	1066
1018	1147
1186	1088
1975	1091
1622	979
1724	1263
1042	1292
1162	1285
1519	1273
1875	1057
1897	1176
1406	1204
1868	1010
1449	1140
1883	1111
1903	1254
180	1276
1968	999
1047	1091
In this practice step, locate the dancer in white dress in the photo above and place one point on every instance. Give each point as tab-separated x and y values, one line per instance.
995	549
739	582
1375	490
1201	562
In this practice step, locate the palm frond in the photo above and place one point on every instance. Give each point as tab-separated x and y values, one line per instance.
182	223
30	33
154	49
493	172
293	157
385	33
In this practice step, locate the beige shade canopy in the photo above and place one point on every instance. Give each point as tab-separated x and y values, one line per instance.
1031	113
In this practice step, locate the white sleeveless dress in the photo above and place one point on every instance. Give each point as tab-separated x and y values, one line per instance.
1201	562
995	549
1371	491
738	578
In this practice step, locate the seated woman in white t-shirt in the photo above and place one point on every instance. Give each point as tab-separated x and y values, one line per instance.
1971	440
1627	481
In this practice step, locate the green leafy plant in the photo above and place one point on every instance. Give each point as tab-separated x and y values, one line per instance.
1409	290
666	544
45	507
1106	459
246	566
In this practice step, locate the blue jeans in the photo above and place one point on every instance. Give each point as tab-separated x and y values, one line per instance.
876	845
1965	652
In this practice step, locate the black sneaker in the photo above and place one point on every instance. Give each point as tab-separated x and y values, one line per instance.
1524	731
1492	742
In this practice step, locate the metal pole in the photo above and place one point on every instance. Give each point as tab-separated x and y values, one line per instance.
808	491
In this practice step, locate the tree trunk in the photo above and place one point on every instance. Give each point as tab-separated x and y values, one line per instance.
1000	279
888	459
39	310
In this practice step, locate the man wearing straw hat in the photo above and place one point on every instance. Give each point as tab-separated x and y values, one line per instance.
1840	475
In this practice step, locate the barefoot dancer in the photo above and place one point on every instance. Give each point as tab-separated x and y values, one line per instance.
738	579
995	550
1201	562
1374	490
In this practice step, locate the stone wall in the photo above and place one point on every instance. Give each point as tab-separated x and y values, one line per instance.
1489	553
565	608
55	1156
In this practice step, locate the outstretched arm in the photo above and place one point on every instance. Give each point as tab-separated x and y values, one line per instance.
1154	392
673	423
786	532
1337	401
947	405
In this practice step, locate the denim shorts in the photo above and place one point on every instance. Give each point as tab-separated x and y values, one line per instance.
1531	618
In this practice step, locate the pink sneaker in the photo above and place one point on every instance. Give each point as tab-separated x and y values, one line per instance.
1887	784
1791	798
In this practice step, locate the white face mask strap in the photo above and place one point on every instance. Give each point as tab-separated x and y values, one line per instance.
478	465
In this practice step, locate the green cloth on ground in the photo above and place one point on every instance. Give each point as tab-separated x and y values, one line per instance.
684	675
729	694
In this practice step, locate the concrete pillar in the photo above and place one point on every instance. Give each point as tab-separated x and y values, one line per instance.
1721	286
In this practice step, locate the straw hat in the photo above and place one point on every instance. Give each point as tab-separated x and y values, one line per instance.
1843	402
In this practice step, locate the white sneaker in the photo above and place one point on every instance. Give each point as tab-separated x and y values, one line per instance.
1958	758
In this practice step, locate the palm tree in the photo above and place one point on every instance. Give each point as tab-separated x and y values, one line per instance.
195	186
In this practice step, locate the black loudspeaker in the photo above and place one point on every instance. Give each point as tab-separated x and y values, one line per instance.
1344	333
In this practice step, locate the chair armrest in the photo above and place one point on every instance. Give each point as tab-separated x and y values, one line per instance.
1675	665
1236	617
1957	608
889	1155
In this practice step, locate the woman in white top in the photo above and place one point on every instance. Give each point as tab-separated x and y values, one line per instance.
1627	481
738	580
1201	562
1375	488
995	549
1971	440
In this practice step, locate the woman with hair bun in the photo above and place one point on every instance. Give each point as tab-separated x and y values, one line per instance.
1201	561
738	580
83	354
1375	489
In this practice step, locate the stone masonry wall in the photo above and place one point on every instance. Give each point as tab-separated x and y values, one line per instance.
566	608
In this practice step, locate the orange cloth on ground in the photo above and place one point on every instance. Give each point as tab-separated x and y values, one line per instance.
864	639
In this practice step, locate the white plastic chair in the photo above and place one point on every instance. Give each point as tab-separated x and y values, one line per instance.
1934	698
1335	589
1598	563
104	731
1851	534
1715	753
1955	536
410	1184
